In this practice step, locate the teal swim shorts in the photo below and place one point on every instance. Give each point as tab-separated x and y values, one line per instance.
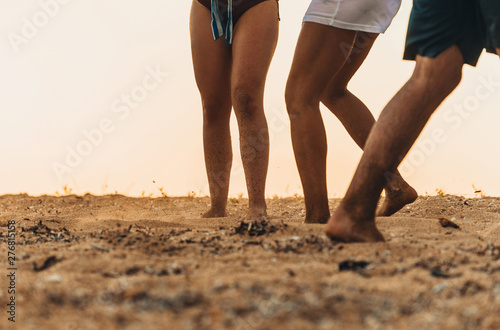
436	25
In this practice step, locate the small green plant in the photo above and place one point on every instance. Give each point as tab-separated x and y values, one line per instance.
67	190
440	192
478	192
164	194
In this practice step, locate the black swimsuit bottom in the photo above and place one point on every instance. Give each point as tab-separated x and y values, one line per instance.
239	7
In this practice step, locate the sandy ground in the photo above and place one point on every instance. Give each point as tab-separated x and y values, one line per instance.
114	262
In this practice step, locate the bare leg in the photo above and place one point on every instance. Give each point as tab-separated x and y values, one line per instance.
211	60
318	57
351	111
255	39
358	120
390	140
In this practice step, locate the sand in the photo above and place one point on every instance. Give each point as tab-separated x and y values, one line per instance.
115	262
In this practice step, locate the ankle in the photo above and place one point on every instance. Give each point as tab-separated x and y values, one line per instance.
218	206
257	204
357	211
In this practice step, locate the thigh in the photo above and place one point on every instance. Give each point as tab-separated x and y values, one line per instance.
211	59
320	54
362	46
254	43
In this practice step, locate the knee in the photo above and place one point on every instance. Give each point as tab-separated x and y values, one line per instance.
247	100
297	100
332	96
291	98
216	111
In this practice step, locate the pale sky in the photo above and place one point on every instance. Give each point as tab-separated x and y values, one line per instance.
68	69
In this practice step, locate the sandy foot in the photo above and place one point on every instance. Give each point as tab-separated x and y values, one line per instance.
395	200
257	213
342	228
214	213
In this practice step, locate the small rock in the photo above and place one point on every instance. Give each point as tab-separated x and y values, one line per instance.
437	272
440	287
100	247
54	278
353	265
448	223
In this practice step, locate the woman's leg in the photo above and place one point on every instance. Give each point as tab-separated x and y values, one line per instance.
351	111
358	120
254	42
212	68
318	57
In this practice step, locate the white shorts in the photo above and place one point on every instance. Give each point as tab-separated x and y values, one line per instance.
360	15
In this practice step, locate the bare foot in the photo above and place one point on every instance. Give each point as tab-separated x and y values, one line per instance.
214	213
257	213
343	228
396	199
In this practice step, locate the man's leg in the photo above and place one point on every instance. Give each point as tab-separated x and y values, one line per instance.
254	42
390	140
358	120
211	61
319	55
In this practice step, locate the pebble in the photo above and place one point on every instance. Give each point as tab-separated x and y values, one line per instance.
440	287
54	278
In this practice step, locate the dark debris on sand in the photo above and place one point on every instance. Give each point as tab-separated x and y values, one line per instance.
40	233
258	228
351	265
444	222
49	262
